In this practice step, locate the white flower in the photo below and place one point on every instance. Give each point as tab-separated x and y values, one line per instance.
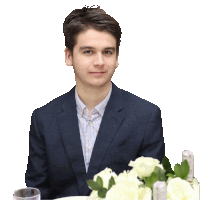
144	166
94	196
125	190
179	189
144	193
105	175
127	175
169	179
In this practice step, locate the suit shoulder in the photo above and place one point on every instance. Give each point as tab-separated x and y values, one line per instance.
138	101
53	105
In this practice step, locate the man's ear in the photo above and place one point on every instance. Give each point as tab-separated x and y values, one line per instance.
117	63
68	57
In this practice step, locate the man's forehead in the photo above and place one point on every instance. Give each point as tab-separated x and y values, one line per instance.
92	47
87	37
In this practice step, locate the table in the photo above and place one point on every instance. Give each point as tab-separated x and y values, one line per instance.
83	197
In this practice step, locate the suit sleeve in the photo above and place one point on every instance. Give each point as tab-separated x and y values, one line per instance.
37	172
153	144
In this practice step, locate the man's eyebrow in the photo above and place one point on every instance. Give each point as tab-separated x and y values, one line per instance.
89	47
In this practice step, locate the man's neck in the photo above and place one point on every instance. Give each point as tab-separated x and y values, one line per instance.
91	97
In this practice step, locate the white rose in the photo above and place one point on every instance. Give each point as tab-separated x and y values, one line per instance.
94	196
124	190
105	175
127	175
144	166
169	179
144	193
180	189
127	188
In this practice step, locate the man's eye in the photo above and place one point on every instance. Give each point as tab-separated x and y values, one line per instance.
109	52
88	52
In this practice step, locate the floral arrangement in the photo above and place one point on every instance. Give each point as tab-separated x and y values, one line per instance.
129	185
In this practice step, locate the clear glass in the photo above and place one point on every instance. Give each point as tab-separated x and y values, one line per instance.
28	193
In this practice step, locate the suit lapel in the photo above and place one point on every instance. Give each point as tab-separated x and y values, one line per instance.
110	123
68	124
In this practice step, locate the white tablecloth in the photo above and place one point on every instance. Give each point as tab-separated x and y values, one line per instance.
74	198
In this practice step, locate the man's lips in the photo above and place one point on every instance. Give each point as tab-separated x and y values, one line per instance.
97	73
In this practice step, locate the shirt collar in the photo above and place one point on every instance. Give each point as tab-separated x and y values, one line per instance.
99	108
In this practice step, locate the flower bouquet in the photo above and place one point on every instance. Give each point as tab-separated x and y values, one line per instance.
138	183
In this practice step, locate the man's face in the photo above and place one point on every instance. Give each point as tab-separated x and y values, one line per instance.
94	59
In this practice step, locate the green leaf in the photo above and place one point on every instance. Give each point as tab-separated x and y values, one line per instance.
185	168
170	175
160	173
102	192
165	162
149	181
111	182
100	181
182	170
185	178
167	166
177	170
93	185
157	169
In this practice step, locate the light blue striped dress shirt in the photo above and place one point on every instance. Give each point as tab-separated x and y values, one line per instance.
89	126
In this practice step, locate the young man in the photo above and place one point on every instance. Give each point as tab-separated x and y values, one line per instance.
95	125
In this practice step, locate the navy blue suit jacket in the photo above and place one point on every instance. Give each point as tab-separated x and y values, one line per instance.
131	127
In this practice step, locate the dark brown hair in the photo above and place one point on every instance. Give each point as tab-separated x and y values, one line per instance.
80	20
